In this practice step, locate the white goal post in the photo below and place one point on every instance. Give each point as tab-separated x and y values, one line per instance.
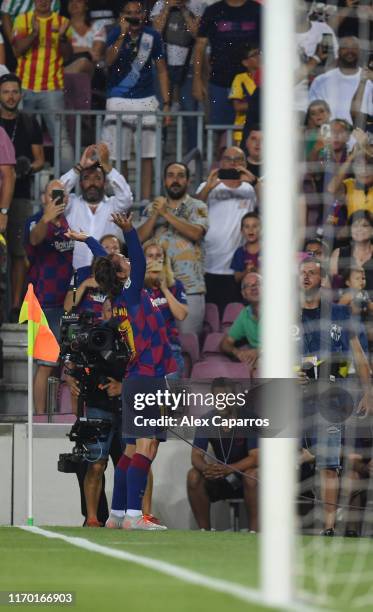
278	455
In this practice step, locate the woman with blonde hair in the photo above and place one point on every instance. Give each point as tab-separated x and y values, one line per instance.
167	293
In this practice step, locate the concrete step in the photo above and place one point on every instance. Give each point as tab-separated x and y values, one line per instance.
15	366
13	334
13	398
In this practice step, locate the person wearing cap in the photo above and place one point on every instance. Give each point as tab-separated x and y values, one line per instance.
91	211
26	135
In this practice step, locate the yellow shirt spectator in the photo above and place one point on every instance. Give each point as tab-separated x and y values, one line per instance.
357	198
243	87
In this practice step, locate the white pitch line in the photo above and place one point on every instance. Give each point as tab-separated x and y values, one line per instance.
186	575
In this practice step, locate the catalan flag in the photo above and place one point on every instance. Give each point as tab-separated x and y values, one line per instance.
41	342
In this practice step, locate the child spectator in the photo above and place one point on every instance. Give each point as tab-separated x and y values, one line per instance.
244	86
357	298
246	257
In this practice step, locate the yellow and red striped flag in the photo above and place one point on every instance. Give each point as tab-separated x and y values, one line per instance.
41	342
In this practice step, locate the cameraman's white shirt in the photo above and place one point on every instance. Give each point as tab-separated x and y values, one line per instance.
80	217
367	101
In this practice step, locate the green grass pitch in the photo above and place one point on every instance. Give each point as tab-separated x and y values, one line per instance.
34	563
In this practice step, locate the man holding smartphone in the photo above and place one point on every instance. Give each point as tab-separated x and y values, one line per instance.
50	254
229	196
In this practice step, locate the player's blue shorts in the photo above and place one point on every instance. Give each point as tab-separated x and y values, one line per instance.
138	407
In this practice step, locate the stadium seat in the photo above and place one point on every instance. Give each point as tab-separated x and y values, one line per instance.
230	314
211	347
211	321
189	344
217	369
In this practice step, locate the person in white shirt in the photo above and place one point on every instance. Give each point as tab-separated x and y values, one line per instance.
338	86
229	196
311	53
91	211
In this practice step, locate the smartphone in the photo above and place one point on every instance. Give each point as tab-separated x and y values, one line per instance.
229	174
327	42
58	196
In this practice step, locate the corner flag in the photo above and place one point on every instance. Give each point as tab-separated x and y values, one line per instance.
41	343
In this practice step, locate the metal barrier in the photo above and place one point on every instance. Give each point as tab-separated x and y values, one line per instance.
58	138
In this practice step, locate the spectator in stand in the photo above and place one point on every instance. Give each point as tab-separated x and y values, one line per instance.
247	257
208	482
10	9
315	247
90	212
358	253
179	223
167	294
246	326
354	18
25	134
50	254
228	200
253	146
132	48
357	191
3	68
225	25
317	116
7	181
7	177
88	39
244	86
362	103
41	42
316	46
338	86
84	293
104	14
177	21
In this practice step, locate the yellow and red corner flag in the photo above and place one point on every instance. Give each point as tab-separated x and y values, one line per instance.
41	342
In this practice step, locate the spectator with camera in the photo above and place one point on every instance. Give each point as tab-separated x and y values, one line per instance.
90	212
179	223
209	482
229	196
132	49
246	326
50	255
177	21
42	41
357	190
26	136
316	46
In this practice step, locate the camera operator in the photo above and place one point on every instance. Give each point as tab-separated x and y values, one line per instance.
143	327
103	402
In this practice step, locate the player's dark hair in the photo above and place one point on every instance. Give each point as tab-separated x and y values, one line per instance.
105	275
